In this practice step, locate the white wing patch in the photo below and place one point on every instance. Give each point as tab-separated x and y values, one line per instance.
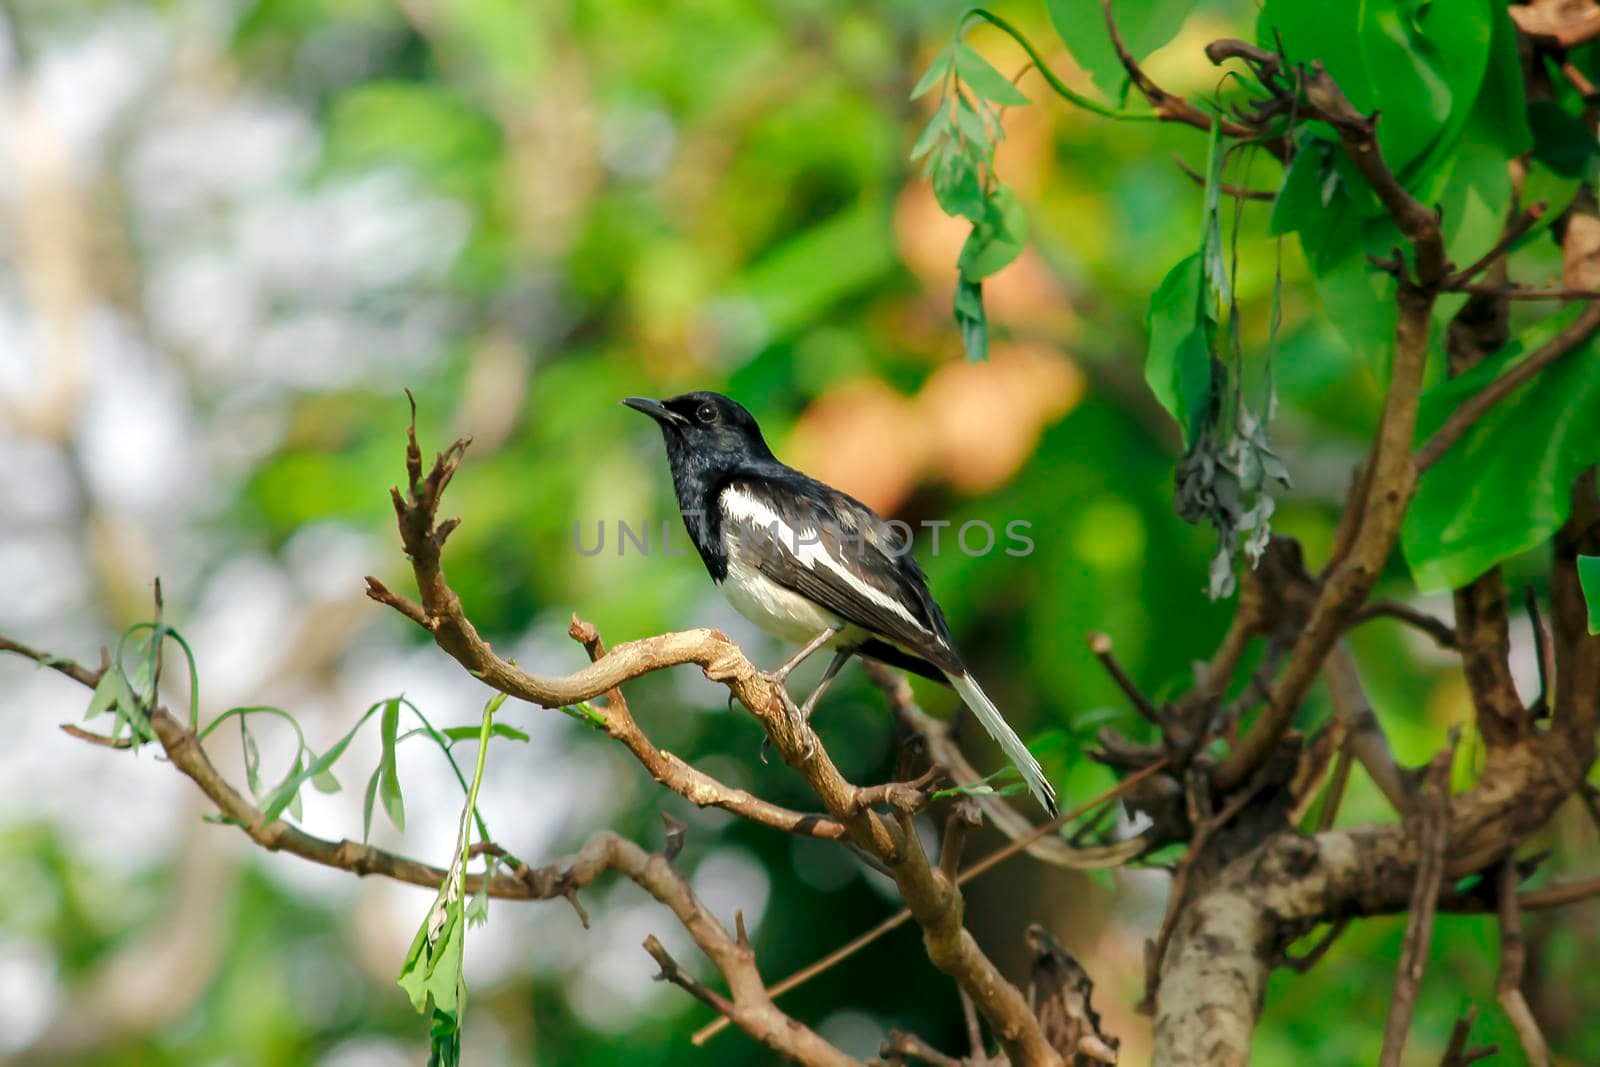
806	546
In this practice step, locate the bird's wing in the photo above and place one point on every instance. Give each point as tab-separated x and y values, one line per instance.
835	551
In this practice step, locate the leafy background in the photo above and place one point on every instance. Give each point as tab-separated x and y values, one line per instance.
234	231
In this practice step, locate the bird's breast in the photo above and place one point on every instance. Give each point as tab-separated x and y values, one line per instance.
778	611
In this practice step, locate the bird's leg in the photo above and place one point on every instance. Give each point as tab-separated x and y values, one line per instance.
797	716
840	658
800	657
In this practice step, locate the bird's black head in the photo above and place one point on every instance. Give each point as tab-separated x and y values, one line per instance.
707	431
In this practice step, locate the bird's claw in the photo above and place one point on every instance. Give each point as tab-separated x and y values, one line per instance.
798	723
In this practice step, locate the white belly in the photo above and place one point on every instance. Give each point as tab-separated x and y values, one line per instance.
780	612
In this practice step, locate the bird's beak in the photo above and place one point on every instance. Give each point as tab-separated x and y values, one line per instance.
655	409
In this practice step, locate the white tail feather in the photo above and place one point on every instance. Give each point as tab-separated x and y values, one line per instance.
1007	738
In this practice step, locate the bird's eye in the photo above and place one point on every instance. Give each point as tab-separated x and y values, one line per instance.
706	413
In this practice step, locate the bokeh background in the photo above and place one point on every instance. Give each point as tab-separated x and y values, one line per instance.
234	231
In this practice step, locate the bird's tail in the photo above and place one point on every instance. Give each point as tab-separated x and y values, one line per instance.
1007	738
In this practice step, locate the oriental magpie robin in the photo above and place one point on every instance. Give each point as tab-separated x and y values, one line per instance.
809	564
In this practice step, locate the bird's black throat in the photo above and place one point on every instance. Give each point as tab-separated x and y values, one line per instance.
711	440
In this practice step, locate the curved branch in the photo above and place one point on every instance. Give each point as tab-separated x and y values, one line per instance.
1443	634
944	752
1061	88
1169	106
689	781
932	898
1359	135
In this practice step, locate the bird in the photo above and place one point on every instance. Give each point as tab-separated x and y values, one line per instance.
811	565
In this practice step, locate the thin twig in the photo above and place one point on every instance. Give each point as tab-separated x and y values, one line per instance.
1365	740
1557	23
1476	406
1513	955
1510	236
1170	106
1442	633
1313	955
1228	188
1005	852
1333	796
1432	835
1100	645
944	751
1521	292
969	1013
964	815
1456	1053
928	895
902	1045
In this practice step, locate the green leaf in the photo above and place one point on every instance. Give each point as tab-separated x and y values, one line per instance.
110	692
972	319
319	772
1501	113
997	239
1359	300
938	127
1561	141
1426	62
1325	32
252	759
956	184
971	125
433	965
1474	203
1555	190
388	773
478	906
934	74
985	786
1144	26
367	805
983	79
1505	487
1215	263
297	809
1308	186
1589	579
499	729
1177	364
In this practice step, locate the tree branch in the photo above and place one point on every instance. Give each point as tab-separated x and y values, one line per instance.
1513	955
933	900
1559	23
1359	135
1042	844
750	1008
1169	106
1432	834
682	778
1389	475
1476	406
1023	843
1456	1053
1365	740
1442	633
